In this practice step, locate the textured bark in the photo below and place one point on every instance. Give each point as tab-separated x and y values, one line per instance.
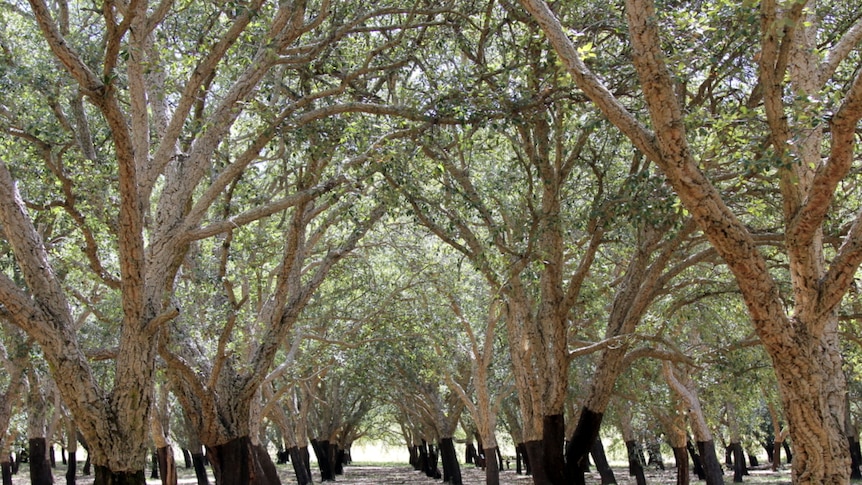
167	465
802	347
680	456
240	462
40	467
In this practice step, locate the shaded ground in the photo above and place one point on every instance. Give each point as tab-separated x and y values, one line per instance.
359	474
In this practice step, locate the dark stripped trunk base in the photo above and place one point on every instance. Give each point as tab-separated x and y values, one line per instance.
301	467
695	459
239	462
535	453
554	441
601	461
450	461
636	468
199	464
104	476
6	472
714	475
680	456
40	468
492	468
579	446
71	468
855	458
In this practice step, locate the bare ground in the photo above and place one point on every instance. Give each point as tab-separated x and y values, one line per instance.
394	474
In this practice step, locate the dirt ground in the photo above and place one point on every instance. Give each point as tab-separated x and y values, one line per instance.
393	474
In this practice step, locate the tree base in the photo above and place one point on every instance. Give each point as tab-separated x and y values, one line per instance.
104	476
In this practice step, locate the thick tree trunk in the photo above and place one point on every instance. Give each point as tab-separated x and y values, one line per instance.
713	474
470	453
654	454
553	440
696	461
536	457
452	470
71	468
199	464
40	467
167	465
300	466
413	457
636	468
492	469
776	455
324	462
336	458
104	476
239	462
680	456
522	459
601	461
739	468
579	446
6	471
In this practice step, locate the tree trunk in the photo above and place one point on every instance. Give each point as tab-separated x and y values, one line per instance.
521	451
324	462
199	464
579	446
413	457
680	456
187	458
696	461
714	475
40	467
636	468
776	455
739	468
104	476
492	469
601	461
752	460
450	461
470	453
536	458
167	465
855	458
154	474
6	471
239	462
554	441
71	468
300	466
